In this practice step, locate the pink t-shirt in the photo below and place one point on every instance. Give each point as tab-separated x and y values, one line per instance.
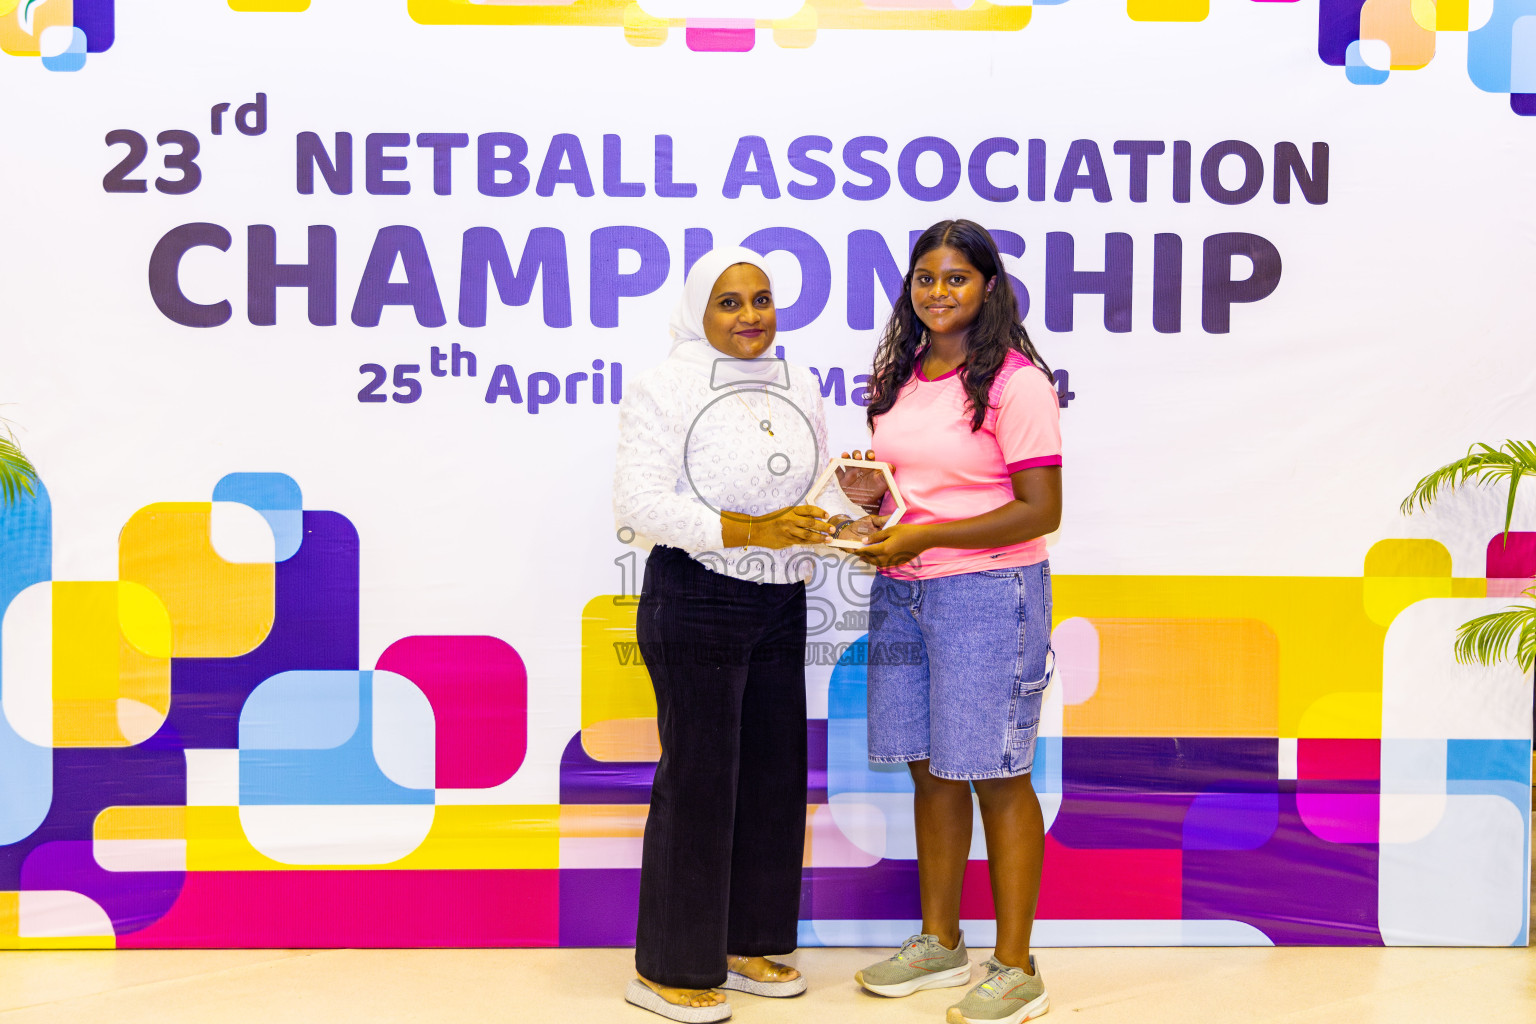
946	472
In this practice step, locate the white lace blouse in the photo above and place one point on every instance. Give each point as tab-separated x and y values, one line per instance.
704	433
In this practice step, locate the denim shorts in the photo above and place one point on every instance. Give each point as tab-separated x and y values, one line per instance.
958	667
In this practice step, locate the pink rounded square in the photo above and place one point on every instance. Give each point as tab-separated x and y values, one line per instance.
478	688
720	35
1513	557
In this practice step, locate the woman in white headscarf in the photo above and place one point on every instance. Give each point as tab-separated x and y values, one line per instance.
718	448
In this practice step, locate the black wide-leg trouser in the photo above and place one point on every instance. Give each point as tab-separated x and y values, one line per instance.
726	834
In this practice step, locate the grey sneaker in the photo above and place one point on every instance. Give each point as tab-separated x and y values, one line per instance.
921	962
1006	996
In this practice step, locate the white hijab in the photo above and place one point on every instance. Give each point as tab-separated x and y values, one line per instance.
687	323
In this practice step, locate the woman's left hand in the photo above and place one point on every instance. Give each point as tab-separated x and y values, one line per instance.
896	546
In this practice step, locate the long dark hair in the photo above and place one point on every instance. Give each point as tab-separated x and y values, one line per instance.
996	330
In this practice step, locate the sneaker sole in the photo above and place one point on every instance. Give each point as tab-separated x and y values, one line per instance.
952	978
642	995
1029	1011
772	989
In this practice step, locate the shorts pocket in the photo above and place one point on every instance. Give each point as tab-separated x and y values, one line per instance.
1007	573
1035	687
1024	723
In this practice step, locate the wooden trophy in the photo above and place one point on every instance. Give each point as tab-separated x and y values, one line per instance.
828	477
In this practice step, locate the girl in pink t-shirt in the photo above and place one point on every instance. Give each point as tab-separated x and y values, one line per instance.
964	410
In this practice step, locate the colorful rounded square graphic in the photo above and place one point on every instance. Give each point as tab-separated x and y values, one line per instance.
1159	677
477	687
618	706
336	738
217	608
23	29
87	664
276	497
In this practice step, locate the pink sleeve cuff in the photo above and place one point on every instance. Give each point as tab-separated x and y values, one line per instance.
1042	460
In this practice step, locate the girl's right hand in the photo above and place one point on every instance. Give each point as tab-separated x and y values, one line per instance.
897	545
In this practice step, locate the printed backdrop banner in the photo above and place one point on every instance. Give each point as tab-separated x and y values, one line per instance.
315	321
